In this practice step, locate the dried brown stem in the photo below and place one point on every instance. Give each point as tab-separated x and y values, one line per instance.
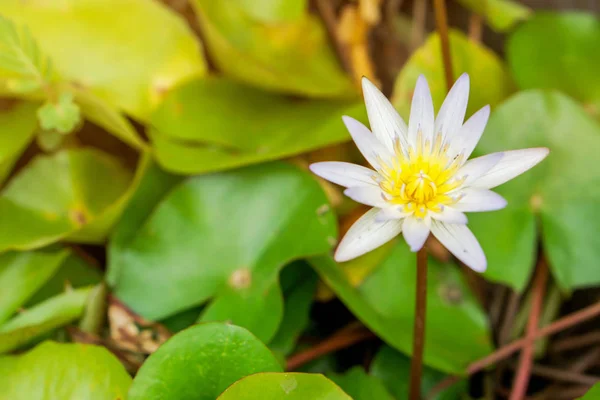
441	21
419	16
416	363
575	342
521	381
346	337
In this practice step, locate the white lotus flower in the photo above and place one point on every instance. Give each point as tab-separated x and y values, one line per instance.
422	181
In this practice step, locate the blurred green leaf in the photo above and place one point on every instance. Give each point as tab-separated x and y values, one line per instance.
200	362
222	237
54	371
299	283
55	196
17	128
501	15
361	386
562	192
215	124
22	274
490	81
42	318
278	49
393	368
22	61
558	51
95	47
62	116
291	386
457	328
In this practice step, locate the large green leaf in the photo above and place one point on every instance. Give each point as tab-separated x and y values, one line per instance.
54	371
200	362
361	386
490	81
98	49
214	124
593	393
288	386
284	50
562	192
558	51
223	237
57	196
393	368
457	329
42	318
22	274
17	128
501	15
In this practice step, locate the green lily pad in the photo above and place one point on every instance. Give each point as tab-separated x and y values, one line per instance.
200	362
65	371
393	368
223	237
361	386
22	274
75	193
289	386
42	318
96	48
593	393
501	15
17	128
490	80
457	328
561	193
558	51
299	283
282	50
214	124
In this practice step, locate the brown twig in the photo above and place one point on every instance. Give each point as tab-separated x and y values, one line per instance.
475	27
565	322
339	340
441	21
325	9
575	342
559	374
416	362
419	16
521	381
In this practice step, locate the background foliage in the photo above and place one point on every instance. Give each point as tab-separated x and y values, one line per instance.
162	238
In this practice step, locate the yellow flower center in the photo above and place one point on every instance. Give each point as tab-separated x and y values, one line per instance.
421	179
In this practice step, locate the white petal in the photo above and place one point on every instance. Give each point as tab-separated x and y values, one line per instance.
415	231
387	213
475	200
452	113
369	195
371	148
450	215
512	164
365	235
469	134
345	174
461	242
477	167
385	121
421	114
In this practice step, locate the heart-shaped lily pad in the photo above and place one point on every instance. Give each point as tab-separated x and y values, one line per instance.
214	124
490	80
289	386
223	237
285	49
76	193
200	362
91	45
501	15
64	371
562	193
457	328
558	51
361	386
